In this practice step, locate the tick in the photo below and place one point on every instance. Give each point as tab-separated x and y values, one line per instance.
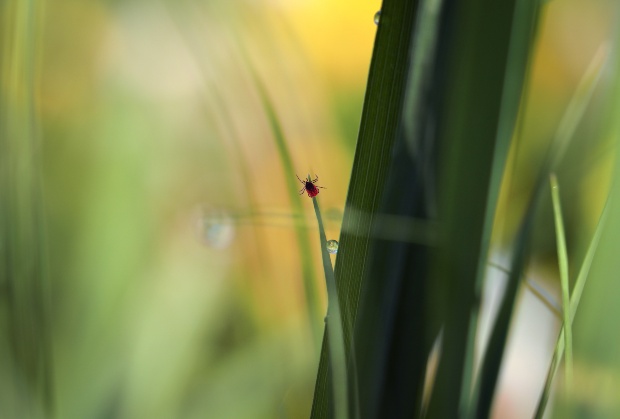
310	187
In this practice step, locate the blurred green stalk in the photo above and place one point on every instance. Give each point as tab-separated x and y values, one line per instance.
563	263
303	239
574	303
24	307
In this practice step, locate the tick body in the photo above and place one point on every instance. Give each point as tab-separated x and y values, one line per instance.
310	187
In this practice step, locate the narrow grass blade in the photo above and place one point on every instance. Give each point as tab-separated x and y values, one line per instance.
563	262
574	303
303	240
537	290
336	345
487	380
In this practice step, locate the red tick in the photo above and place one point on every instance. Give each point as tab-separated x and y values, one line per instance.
310	187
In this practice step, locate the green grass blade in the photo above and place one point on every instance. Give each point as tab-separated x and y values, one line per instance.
563	262
574	303
522	39
487	379
378	130
393	330
490	41
337	353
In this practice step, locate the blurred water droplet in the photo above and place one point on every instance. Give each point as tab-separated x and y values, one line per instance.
332	247
377	17
216	228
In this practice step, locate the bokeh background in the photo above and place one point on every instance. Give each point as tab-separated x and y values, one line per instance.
179	256
177	280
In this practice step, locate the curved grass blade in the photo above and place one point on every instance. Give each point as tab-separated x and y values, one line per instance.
563	262
303	239
574	303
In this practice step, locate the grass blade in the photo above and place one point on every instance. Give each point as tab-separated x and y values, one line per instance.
335	334
574	303
523	36
543	296
381	114
303	239
480	49
393	332
563	262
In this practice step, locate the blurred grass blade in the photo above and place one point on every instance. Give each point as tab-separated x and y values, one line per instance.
487	379
563	262
335	334
486	52
578	105
25	347
523	35
574	303
537	290
303	239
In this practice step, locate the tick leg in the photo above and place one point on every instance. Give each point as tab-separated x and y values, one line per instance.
302	190
300	179
315	180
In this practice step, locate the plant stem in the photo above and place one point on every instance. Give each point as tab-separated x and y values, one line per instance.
335	332
563	262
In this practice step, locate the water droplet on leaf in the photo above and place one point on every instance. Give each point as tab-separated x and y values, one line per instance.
377	17
332	247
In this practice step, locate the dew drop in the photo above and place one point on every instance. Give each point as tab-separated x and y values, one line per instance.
377	17
216	228
332	247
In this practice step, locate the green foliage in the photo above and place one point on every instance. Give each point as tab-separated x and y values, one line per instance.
382	110
409	288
